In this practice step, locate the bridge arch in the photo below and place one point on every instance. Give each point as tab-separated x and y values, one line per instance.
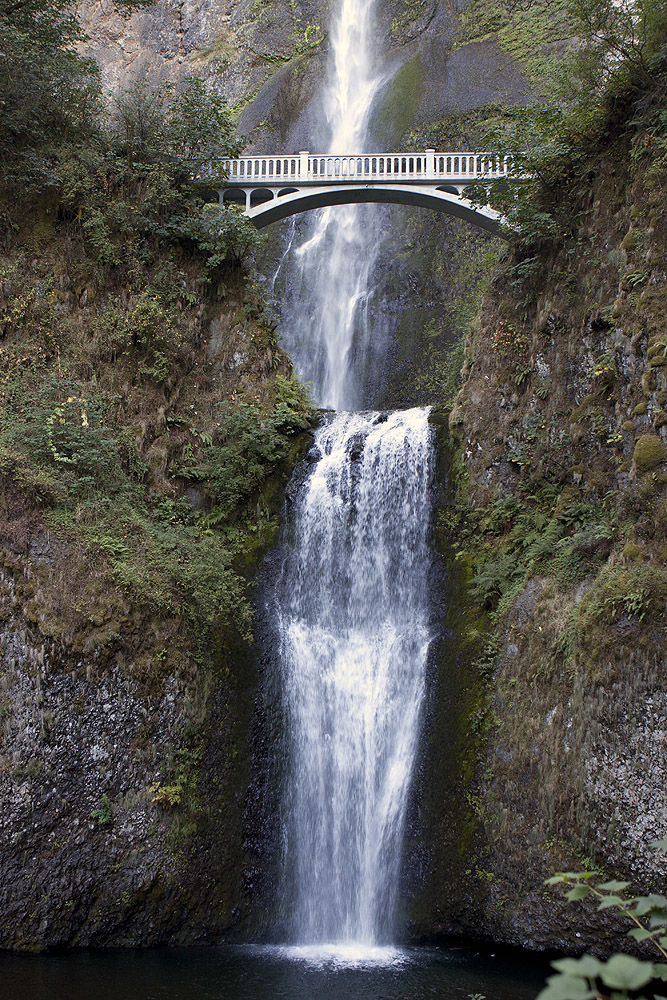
283	203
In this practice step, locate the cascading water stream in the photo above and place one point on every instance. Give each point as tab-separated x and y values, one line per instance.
352	609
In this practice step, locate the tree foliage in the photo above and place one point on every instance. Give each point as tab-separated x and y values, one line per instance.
185	128
125	175
49	94
615	58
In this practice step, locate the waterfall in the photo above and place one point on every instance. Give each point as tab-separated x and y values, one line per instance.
352	612
330	340
350	604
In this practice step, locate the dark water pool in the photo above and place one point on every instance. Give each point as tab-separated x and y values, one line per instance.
254	973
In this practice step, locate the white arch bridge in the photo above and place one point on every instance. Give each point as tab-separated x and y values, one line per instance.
274	187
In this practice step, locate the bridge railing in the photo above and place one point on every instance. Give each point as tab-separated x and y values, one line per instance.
327	168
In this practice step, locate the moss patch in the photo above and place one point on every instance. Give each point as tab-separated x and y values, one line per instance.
398	105
649	452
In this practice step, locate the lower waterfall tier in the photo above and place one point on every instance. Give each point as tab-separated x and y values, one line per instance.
352	611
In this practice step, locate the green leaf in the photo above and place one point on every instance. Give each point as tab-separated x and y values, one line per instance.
611	901
578	892
566	988
660	970
626	973
613	886
568	877
654	903
639	934
586	966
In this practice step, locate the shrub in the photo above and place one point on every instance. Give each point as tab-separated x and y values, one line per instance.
167	796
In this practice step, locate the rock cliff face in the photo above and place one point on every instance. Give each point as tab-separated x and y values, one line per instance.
556	529
91	853
128	680
268	58
253	53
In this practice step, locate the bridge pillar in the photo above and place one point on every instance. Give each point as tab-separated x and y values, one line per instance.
430	163
303	164
247	194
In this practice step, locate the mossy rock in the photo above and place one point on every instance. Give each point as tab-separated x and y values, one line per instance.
588	406
636	589
628	425
640	409
397	106
660	419
633	552
656	356
648	381
439	419
649	452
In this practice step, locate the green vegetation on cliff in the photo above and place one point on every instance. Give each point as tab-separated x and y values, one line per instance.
141	420
145	407
148	425
586	89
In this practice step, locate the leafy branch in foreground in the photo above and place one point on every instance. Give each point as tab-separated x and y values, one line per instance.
621	976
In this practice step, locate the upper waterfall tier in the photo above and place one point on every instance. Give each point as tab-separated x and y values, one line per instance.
325	321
